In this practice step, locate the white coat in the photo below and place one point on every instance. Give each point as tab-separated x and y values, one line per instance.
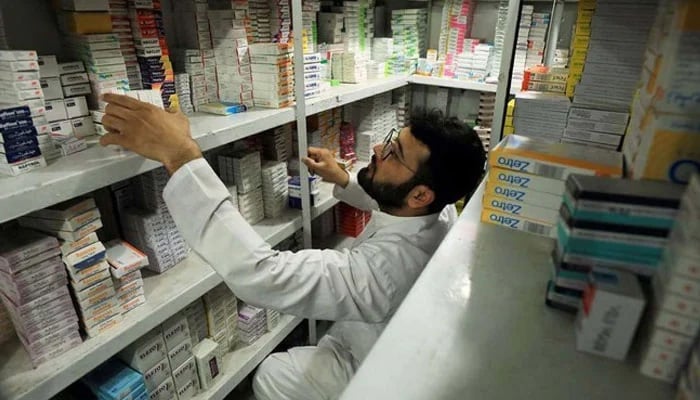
360	288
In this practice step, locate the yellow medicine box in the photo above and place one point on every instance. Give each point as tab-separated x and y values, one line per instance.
88	22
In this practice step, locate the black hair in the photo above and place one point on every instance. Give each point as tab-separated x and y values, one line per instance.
457	157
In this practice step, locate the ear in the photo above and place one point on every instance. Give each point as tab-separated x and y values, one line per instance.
420	196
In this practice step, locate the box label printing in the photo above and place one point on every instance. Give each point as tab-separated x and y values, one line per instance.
157	374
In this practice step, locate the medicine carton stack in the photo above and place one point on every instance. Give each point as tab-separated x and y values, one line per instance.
273	74
619	32
152	51
364	144
544	79
499	39
150	227
121	26
675	309
520	58
104	63
560	60
347	144
75	223
294	184
487	104
401	101
184	95
149	356
23	126
274	188
536	40
252	323
310	30
7	331
178	344
281	21
114	380
33	290
662	141
325	127
313	76
247	174
375	114
192	62
541	115
350	221
233	70
278	142
272	318
358	24
610	223
474	63
526	180
126	262
221	308
595	127
196	320
579	44
457	19
408	29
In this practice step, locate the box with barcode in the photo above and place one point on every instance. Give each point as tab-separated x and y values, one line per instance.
554	160
517	223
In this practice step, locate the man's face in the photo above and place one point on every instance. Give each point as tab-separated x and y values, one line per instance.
389	180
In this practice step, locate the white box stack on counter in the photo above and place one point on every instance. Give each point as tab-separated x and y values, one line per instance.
7	331
105	65
619	33
233	69
675	308
121	26
594	127
274	187
76	223
521	46
151	227
182	88
313	76
125	263
273	74
278	143
33	290
281	21
221	309
541	115
474	63
252	323
248	179
197	320
24	130
536	39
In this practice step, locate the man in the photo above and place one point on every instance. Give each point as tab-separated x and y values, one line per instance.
411	183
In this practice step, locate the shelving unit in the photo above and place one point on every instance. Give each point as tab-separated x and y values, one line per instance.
493	337
453	83
241	362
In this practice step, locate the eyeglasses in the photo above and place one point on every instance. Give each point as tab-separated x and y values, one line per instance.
388	149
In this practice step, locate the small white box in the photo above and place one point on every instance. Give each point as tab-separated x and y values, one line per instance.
188	390
175	331
208	359
48	66
71	67
146	351
83	127
165	391
187	371
74	79
55	111
77	90
180	354
62	130
607	322
76	107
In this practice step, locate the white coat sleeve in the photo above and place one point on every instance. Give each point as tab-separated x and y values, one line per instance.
319	284
354	195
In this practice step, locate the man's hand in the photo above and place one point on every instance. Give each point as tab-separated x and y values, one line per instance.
149	131
322	162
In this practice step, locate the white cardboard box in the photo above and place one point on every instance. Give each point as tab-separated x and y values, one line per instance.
56	110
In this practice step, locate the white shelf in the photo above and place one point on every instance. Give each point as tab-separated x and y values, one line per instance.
166	294
240	363
453	83
348	93
475	324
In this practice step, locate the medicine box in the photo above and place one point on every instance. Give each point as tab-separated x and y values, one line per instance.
519	223
526	181
164	391
613	304
146	351
80	274
71	67
157	374
51	88
124	258
76	107
103	326
208	359
175	331
48	66
547	215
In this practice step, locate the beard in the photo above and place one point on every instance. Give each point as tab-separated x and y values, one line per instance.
388	196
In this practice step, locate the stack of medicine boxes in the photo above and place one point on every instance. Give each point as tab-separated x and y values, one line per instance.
221	309
23	126
75	223
294	183
152	50
663	141
121	26
115	381
541	115
597	128
609	223
225	164
248	179
273	74
274	187
676	294
251	323
125	263
184	94
178	343
197	320
277	143
230	44
526	180
149	356
33	290
192	62
312	75
351	221
579	44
